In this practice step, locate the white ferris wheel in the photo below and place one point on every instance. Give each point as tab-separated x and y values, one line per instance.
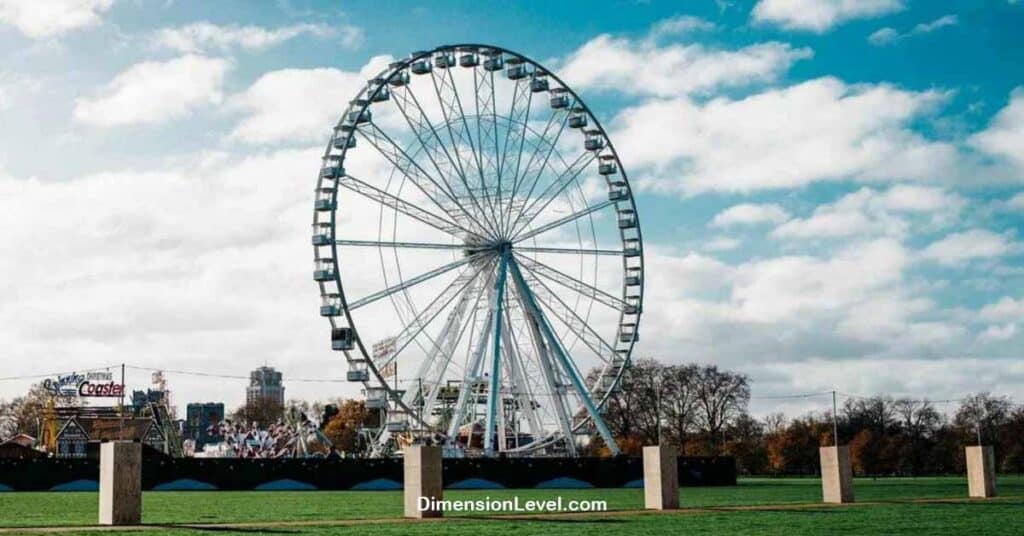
478	254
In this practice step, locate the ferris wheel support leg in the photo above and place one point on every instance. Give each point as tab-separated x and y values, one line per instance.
494	393
550	374
556	346
468	381
517	377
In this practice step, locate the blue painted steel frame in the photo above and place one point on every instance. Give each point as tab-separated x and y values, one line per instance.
556	345
494	394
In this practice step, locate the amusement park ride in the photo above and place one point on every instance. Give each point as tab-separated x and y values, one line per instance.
473	217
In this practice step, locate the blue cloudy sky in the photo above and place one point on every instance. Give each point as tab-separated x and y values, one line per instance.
831	191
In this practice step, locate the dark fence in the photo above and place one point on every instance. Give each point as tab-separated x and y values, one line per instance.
163	473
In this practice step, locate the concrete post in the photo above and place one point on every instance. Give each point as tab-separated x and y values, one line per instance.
981	472
120	483
422	480
836	475
661	478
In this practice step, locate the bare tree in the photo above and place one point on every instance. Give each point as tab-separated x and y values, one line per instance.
721	397
679	406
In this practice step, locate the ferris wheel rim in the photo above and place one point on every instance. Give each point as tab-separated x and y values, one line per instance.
363	102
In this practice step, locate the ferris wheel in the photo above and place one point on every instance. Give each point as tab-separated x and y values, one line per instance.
478	254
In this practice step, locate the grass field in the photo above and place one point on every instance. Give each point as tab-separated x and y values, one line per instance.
888	506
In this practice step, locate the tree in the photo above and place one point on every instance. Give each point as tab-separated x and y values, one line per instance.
980	416
343	429
25	414
261	411
679	404
721	397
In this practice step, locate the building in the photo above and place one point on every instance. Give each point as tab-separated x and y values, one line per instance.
77	434
201	420
265	386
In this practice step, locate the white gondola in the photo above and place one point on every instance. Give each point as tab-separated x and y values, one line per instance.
332	171
628	333
342	339
322	234
358	372
469	59
593	141
632	306
323	269
378	90
330	305
444	60
376	398
494	62
399	78
627	219
344	138
325	199
578	119
358	117
618	193
559	98
516	72
539	84
607	165
631	247
633	276
420	66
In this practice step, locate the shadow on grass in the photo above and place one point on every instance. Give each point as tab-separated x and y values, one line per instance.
227	528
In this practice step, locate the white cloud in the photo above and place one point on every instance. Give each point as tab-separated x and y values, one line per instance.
869	212
680	25
298	105
1004	136
750	214
13	86
999	332
721	243
1007	308
1016	201
818	130
203	36
958	248
50	18
155	92
641	67
820	15
888	36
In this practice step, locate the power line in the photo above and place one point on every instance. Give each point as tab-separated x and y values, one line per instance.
230	376
53	374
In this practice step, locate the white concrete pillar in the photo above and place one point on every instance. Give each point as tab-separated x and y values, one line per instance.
981	472
661	478
423	483
836	475
120	483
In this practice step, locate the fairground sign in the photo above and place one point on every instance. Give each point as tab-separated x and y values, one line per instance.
91	384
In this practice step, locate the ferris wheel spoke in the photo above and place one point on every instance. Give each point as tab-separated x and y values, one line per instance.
399	245
558	185
556	388
427	315
431	143
569	318
447	356
569	251
454	115
399	205
520	118
412	282
561	221
563	358
534	166
408	167
440	346
570	282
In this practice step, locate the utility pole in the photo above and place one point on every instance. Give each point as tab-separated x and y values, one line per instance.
835	420
121	423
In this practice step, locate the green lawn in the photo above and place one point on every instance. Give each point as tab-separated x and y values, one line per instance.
1001	516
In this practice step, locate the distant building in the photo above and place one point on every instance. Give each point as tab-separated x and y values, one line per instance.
202	418
265	385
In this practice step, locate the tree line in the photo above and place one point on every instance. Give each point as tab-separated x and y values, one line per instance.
705	411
